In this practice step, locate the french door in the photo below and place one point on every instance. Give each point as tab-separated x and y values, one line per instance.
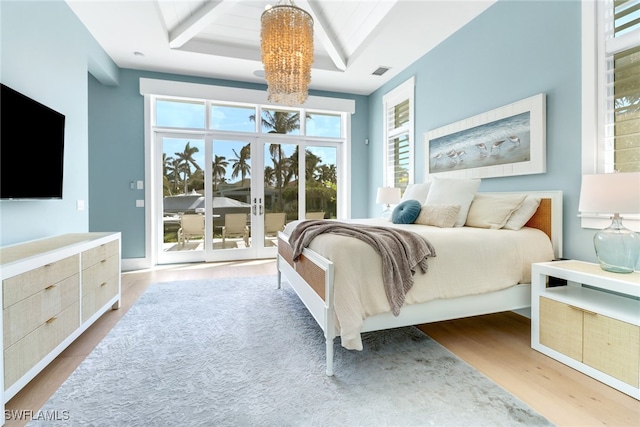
226	197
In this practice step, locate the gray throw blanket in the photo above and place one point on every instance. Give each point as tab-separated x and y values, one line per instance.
401	251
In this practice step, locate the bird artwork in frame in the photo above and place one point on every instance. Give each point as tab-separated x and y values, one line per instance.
503	142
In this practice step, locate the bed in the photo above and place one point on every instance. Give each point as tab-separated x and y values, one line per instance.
335	278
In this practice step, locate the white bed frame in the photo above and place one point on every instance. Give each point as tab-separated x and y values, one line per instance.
312	279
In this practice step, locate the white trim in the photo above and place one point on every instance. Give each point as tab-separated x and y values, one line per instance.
233	94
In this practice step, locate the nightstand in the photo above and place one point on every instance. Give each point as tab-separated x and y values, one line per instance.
592	324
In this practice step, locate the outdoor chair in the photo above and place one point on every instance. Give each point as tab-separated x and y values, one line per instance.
191	225
314	215
274	222
235	225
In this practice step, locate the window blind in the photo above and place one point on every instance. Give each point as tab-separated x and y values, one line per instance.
622	109
398	150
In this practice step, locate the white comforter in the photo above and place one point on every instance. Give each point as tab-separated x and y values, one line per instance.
468	261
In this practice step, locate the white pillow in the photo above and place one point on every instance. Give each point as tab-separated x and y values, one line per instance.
442	216
492	210
417	192
453	191
519	218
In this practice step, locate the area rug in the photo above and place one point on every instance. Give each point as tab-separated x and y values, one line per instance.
240	352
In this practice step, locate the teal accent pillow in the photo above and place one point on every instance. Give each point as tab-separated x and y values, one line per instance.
406	212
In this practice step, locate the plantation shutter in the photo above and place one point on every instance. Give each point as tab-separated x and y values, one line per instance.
622	120
398	149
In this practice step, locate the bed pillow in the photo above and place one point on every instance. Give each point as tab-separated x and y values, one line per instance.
493	211
443	216
406	212
519	218
453	191
416	192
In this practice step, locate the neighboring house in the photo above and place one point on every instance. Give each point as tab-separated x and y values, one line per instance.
512	51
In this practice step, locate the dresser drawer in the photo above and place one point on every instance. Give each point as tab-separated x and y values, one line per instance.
99	296
19	287
27	315
94	276
100	253
27	352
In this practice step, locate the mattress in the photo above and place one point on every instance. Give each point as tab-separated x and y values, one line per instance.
468	261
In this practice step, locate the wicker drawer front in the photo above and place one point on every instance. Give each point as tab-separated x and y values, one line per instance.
561	328
99	253
99	296
26	353
613	347
27	315
94	276
19	287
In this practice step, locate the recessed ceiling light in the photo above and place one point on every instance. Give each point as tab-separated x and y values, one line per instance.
138	53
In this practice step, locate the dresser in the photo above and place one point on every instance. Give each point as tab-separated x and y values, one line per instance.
592	323
53	289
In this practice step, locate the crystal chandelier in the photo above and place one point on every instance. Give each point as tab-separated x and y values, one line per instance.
287	52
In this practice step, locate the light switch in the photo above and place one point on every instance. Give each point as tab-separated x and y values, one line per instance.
139	203
140	185
80	205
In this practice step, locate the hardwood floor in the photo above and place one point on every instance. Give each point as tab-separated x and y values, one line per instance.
497	345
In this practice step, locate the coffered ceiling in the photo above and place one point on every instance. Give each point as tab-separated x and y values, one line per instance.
221	38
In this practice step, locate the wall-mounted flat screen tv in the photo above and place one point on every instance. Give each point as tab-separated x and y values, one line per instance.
31	148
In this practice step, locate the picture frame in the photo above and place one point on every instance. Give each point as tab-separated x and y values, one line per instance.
506	141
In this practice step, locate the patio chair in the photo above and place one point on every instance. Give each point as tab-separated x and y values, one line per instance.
274	222
235	225
191	225
314	215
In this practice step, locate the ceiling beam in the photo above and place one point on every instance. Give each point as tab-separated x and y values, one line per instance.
322	32
197	22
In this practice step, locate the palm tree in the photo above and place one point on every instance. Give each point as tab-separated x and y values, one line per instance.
240	165
185	161
219	170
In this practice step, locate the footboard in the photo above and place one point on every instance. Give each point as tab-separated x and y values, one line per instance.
311	277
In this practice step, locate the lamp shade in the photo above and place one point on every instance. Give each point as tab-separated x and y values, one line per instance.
388	195
610	193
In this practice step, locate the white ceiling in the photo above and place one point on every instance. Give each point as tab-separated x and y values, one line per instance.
221	38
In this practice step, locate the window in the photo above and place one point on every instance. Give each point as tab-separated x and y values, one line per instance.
611	65
610	92
398	145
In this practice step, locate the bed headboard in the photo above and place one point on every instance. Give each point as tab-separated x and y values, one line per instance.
548	217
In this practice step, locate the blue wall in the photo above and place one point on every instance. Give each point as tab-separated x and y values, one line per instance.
514	50
46	54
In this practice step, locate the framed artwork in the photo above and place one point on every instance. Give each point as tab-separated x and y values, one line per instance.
507	141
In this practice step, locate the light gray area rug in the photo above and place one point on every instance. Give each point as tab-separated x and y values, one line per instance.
239	352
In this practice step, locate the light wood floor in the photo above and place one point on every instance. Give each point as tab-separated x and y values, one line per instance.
498	345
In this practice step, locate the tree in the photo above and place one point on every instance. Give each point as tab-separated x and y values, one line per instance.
241	166
219	170
185	161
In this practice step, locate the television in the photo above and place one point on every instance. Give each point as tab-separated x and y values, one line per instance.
31	148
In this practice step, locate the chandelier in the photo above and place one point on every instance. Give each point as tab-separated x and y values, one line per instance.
287	52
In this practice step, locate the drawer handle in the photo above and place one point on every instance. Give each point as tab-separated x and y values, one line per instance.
103	284
48	288
51	320
104	260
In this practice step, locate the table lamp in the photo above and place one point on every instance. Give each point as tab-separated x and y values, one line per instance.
388	196
617	247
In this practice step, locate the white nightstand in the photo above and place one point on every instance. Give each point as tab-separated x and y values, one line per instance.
592	324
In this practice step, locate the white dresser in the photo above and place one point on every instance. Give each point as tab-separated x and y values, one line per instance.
52	290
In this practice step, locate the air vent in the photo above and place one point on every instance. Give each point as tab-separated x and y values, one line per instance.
381	70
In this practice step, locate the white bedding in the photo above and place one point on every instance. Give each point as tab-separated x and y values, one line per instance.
468	261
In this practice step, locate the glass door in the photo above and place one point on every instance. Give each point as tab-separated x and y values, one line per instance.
226	198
